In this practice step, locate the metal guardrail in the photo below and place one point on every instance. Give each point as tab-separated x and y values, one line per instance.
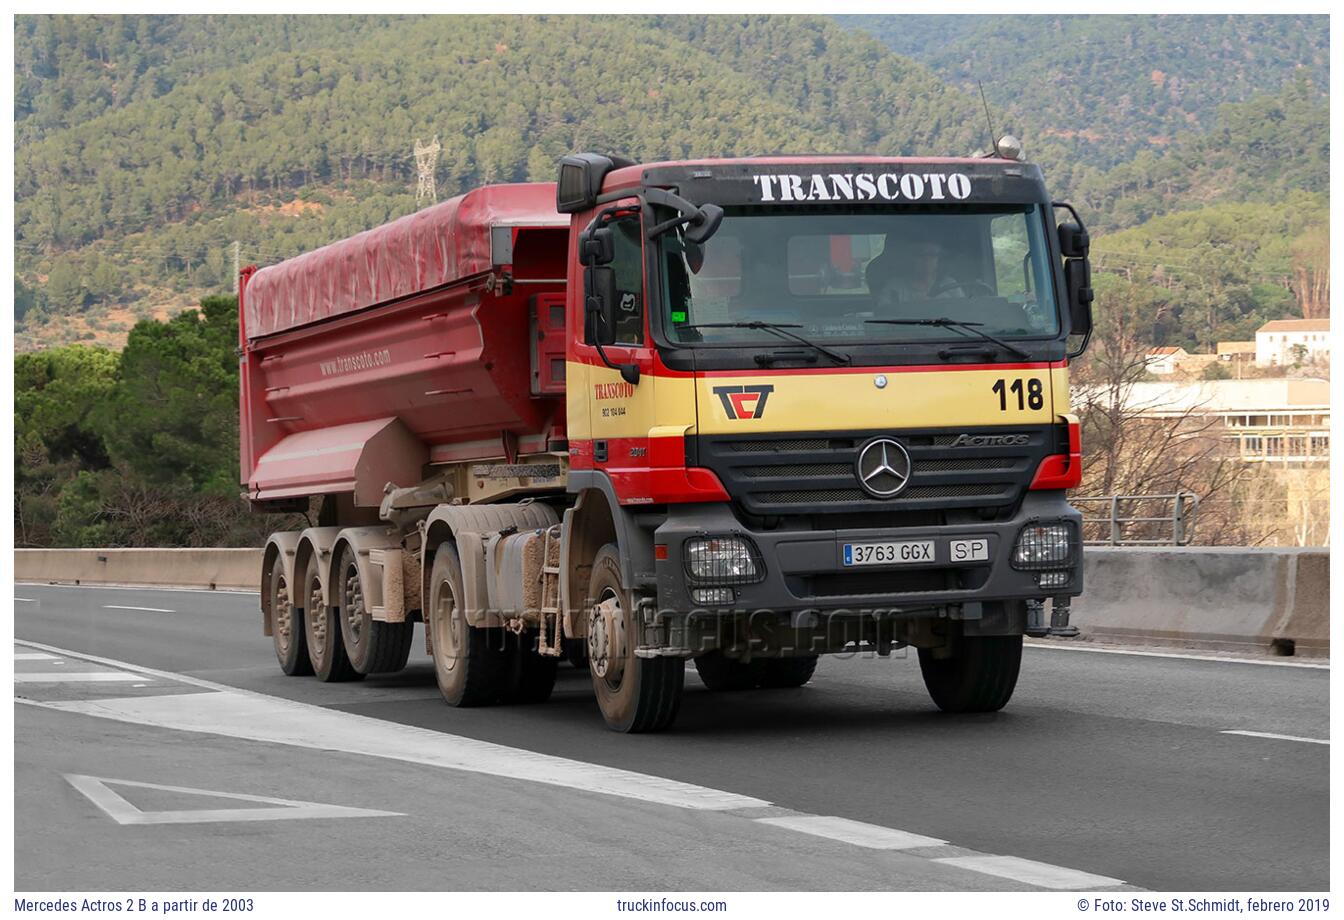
1127	520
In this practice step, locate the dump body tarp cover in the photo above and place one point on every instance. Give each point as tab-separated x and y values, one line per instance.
432	247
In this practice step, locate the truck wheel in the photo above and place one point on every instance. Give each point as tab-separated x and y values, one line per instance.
635	694
980	677
788	672
326	651
722	674
468	660
373	647
531	676
287	630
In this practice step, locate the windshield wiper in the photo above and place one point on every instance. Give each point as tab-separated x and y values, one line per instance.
955	325
781	330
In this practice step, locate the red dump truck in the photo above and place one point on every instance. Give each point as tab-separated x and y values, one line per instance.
742	412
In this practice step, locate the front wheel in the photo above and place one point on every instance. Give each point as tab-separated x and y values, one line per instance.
979	677
635	694
722	674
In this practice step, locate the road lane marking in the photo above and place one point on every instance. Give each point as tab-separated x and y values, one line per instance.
253	716
1274	737
97	790
1043	875
872	836
227	592
74	677
146	609
26	600
1311	665
34	656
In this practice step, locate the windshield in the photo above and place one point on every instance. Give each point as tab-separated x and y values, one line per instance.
840	277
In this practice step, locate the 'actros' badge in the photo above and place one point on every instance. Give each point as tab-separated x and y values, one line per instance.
883	468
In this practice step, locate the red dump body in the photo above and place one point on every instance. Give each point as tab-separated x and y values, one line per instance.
415	335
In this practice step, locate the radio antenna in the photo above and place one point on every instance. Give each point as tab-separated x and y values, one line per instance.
993	143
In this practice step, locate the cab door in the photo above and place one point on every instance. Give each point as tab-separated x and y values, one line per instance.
620	414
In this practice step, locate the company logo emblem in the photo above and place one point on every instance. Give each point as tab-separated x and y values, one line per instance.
883	468
742	402
991	440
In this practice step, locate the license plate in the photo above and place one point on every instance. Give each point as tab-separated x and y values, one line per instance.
904	553
970	550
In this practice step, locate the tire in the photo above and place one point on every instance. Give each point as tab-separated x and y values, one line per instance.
287	629
980	677
469	661
635	694
722	674
373	647
326	651
788	672
530	677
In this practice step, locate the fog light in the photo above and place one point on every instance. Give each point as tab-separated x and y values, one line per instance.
1043	546
722	560
1052	579
713	596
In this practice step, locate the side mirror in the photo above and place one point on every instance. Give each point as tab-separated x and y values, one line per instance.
1078	282
1073	241
706	222
599	305
597	246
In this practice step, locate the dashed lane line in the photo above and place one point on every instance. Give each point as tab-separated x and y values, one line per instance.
146	609
26	600
872	836
236	713
1210	658
75	677
34	656
1042	875
1273	737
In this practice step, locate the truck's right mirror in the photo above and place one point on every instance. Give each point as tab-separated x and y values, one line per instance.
599	299
1073	241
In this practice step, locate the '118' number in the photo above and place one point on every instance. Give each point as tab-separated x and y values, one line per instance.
1032	397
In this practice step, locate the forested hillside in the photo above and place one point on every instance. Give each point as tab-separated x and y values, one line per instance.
132	194
1111	85
146	145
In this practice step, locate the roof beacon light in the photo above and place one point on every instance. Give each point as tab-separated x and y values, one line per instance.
1010	148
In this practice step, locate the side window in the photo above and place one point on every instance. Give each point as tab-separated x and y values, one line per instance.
629	268
1014	269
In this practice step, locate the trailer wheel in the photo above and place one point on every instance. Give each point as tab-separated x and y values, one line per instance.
788	672
373	647
326	651
531	676
722	674
979	677
287	629
468	660
635	694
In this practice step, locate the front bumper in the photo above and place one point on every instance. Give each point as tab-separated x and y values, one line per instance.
804	570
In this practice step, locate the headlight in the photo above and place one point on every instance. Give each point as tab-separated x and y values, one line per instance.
722	561
1044	546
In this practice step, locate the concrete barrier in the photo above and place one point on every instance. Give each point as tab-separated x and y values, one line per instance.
1274	600
222	569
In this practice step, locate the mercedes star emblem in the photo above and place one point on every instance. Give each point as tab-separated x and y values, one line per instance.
883	468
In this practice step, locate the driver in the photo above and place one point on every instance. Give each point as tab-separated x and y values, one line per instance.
910	269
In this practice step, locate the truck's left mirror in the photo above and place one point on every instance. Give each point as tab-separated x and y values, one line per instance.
597	246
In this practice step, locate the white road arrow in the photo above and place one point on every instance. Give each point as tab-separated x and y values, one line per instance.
97	790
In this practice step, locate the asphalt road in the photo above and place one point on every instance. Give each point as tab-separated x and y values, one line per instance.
1118	768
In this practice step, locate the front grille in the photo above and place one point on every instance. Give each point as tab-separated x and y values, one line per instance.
786	474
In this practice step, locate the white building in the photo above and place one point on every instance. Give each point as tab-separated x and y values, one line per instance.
1266	420
1164	359
1292	341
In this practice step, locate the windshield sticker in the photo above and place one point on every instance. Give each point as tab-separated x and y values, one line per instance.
863	186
